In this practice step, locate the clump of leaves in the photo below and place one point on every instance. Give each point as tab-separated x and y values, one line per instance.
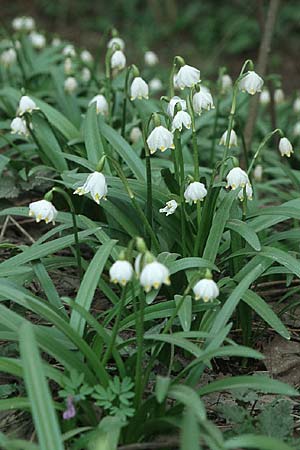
75	387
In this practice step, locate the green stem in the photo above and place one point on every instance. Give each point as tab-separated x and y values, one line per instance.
125	101
179	157
214	141
139	357
261	145
198	237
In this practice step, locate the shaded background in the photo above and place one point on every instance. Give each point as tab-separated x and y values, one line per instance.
208	33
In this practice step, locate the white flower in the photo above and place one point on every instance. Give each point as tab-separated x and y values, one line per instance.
139	89
43	210
296	105
181	119
37	40
258	172
135	135
251	83
121	272
85	74
26	104
18	126
237	178
172	103
8	57
151	58
278	96
285	147
202	100
187	76
137	264
155	84
170	207
101	104
232	140
154	275
70	85
206	289
249	192
226	83
296	129
56	42
28	23
86	56
95	184
69	50
195	191
118	60
160	139
264	97
17	23
68	66
116	41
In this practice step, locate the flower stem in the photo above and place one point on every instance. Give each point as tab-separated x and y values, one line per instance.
179	157
198	237
261	145
139	341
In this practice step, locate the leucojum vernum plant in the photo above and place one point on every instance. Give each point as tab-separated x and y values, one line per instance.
167	223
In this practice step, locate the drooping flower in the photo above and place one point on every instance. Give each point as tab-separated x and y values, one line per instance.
155	85
17	23
206	289
226	83
187	76
258	172
264	97
236	178
101	104
86	56
121	272
25	23
249	192
278	96
8	57
68	66
56	42
251	83
232	140
181	119
86	75
160	139
95	184
43	210
285	147
116	41
173	102
296	130
70	412
18	126
296	105
69	50
195	191
38	40
139	89
170	207
135	135
70	85
118	60
154	275
151	58
202	100
26	105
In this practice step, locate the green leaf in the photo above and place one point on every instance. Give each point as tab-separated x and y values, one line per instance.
185	311
41	403
244	230
190	433
190	398
256	442
191	263
92	137
161	388
283	258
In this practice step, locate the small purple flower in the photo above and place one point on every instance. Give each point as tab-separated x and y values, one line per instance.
70	411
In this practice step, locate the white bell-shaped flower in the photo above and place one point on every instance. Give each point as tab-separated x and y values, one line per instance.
86	75
258	172
56	42
69	50
17	23
8	57
95	184
151	58
160	139
28	23
38	40
26	105
70	85
195	192
264	97
116	41
232	140
43	210
296	105
68	66
296	129
121	272
135	135
86	56
206	289
154	275
249	192
285	147
18	126
202	100
251	83
170	207
236	178
118	60
187	76
155	85
181	119
101	104
226	83
173	102
278	96
139	89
